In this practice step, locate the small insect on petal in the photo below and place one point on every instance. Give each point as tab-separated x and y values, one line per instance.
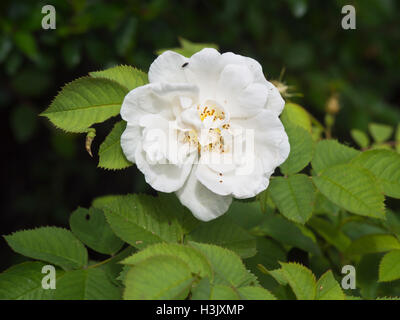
185	64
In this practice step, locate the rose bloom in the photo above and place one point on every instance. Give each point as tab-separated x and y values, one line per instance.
207	128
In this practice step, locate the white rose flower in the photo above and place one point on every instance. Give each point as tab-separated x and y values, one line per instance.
198	109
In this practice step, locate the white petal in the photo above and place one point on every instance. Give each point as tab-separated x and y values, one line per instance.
254	67
155	98
204	204
168	68
130	140
271	142
247	184
238	92
162	177
275	101
203	70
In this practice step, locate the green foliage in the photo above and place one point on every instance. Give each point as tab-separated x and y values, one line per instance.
380	132
328	288
301	148
54	245
301	280
141	220
352	188
84	102
86	284
389	267
306	217
24	282
90	226
360	137
385	165
373	243
225	233
329	153
196	261
126	76
111	155
294	196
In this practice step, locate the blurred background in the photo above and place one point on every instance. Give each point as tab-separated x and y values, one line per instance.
47	174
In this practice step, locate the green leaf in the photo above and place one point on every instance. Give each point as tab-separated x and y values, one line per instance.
90	226
288	233
328	288
301	148
51	244
111	155
227	266
223	232
126	76
294	196
330	233
329	153
201	290
352	188
255	293
189	48
24	282
196	261
158	278
278	275
397	138
360	137
297	115
223	292
373	243
389	268
86	284
301	280
380	132
141	220
84	102
385	165
269	254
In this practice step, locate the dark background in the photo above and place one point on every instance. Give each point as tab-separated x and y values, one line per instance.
47	173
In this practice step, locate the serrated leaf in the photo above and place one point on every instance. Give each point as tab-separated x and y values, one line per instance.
352	188
90	226
227	266
330	233
385	165
86	284
24	282
158	278
373	243
301	148
294	196
141	220
223	292
388	298
329	153
127	76
84	102
389	268
325	206
196	261
380	132
360	137
278	275
297	115
288	233
201	290
328	288
51	244
111	155
301	280
223	232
